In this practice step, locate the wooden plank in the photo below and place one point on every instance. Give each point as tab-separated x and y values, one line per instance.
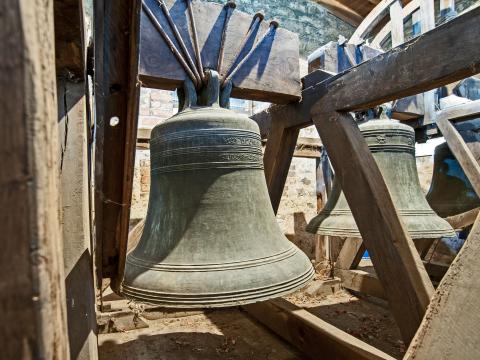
457	145
277	158
371	21
462	111
391	248
69	37
446	54
427	15
117	94
32	291
294	114
272	74
310	334
436	271
427	23
361	281
406	11
451	324
75	219
396	20
367	283
351	254
463	220
341	11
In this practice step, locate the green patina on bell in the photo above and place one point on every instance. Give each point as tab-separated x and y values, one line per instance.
211	238
450	192
393	147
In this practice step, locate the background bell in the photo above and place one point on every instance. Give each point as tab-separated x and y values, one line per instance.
450	192
393	147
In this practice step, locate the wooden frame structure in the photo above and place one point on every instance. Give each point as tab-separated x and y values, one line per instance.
326	102
33	299
355	89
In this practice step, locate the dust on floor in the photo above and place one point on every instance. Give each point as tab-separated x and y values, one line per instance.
232	334
218	334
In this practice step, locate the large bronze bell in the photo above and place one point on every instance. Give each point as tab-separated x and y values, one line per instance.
211	238
393	147
450	192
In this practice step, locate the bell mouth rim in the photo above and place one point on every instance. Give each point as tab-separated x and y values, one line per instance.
217	299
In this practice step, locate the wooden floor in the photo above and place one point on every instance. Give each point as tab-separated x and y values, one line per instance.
232	334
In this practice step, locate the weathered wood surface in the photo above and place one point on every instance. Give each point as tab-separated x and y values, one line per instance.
350	254
361	281
310	334
272	73
32	293
396	20
406	11
463	220
451	325
443	55
391	248
117	94
276	160
75	219
69	37
371	21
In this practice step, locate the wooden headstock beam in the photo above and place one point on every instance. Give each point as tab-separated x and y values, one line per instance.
271	74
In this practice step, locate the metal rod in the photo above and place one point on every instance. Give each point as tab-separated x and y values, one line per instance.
230	6
257	19
170	43
273	25
196	44
177	35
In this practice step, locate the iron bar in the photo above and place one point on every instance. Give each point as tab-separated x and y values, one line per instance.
170	43
177	35
196	44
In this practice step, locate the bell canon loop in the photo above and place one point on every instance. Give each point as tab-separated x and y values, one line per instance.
210	238
393	147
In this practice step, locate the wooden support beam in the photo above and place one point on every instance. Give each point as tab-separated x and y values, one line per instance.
342	11
310	334
463	220
361	281
396	20
371	21
32	291
446	54
69	38
455	142
398	265
406	11
116	98
450	327
277	158
350	254
367	283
